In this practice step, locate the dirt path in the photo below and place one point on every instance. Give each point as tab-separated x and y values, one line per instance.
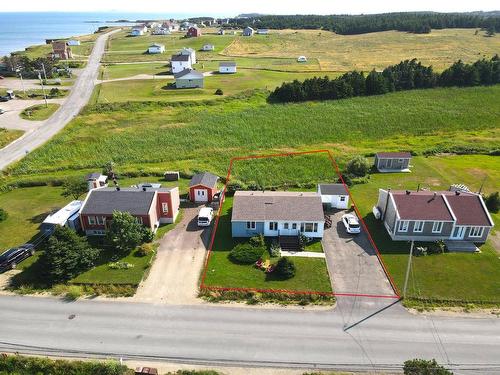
173	278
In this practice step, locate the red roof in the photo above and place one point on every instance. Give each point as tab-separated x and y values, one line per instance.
468	209
423	205
400	155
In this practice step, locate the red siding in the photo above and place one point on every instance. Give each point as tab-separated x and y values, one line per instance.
210	192
193	32
164	198
146	220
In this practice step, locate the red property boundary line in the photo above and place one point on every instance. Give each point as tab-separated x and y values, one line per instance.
216	224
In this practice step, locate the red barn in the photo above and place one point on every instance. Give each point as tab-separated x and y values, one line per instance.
150	206
203	187
193	32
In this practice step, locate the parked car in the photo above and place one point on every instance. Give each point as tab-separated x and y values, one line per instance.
351	223
12	257
205	216
4	98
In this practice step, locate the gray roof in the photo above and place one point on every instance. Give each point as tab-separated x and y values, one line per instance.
107	200
185	72
92	176
227	63
277	205
180	58
205	179
332	189
395	155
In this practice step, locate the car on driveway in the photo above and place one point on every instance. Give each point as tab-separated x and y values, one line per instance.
351	224
205	216
12	257
4	98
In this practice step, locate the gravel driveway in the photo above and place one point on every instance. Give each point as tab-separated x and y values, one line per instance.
174	275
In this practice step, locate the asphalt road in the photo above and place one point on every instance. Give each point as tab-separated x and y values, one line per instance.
77	99
223	335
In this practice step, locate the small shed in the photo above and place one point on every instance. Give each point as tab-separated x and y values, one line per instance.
302	59
208	47
96	180
193	32
221	32
203	187
227	67
392	161
189	79
73	42
156	48
248	31
171	176
262	31
334	195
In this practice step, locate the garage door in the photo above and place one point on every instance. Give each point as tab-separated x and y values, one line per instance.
200	195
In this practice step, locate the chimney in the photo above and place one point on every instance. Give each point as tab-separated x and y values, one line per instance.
457	192
144	188
408	192
386	204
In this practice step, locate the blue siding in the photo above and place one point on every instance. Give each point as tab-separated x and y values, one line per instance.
239	229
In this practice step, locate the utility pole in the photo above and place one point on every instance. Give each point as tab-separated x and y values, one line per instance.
482	184
408	269
44	72
22	82
43	89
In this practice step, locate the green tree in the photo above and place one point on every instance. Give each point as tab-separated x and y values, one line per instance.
490	30
285	268
3	214
74	188
375	84
67	255
108	169
125	232
492	202
358	166
424	367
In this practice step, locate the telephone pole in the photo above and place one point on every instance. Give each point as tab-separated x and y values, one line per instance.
408	269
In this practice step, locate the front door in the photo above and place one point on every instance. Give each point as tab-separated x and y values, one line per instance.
458	233
200	195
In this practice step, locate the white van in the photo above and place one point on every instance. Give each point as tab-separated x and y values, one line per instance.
205	216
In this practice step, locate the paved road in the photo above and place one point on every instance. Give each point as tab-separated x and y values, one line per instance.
243	335
77	99
11	119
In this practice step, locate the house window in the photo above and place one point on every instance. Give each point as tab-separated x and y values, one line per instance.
91	220
294	226
437	227
250	224
315	227
101	220
164	208
309	227
476	231
403	226
285	226
273	226
418	227
342	199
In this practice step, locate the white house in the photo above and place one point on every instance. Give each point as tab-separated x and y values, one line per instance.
208	47
226	67
156	48
179	63
161	31
334	195
248	31
137	31
189	52
221	32
73	42
262	31
302	59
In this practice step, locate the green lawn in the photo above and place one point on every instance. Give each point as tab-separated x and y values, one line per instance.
37	93
8	135
39	112
114	71
312	274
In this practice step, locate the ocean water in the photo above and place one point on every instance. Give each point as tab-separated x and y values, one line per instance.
19	30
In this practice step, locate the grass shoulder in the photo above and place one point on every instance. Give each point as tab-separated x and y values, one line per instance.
7	136
39	112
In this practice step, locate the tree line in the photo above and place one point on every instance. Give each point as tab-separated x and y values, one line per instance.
414	22
407	75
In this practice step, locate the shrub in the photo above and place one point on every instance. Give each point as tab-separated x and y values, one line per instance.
424	367
275	249
492	202
147	235
55	91
145	249
219	92
246	253
3	214
303	240
285	268
120	266
125	233
74	292
358	166
258	241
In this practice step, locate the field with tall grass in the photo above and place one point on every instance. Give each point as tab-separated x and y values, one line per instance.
8	135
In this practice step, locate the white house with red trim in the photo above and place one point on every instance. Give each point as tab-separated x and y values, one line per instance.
203	187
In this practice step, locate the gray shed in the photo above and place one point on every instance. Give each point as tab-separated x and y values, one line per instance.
189	79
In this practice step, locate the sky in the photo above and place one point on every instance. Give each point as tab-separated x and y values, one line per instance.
234	7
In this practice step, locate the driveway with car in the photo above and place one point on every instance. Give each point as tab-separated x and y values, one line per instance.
175	272
352	261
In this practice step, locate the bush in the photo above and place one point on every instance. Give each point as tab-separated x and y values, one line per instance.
147	235
258	241
120	266
358	167
246	253
3	214
275	249
74	292
219	92
55	91
492	202
285	268
303	240
424	367
125	233
145	249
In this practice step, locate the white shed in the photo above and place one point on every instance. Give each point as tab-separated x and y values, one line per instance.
302	59
156	48
334	195
73	42
208	47
226	67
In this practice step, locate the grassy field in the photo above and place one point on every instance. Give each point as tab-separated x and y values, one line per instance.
39	112
369	51
207	136
7	136
312	274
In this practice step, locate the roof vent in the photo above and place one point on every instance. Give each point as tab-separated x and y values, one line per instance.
117	188
457	192
144	188
408	192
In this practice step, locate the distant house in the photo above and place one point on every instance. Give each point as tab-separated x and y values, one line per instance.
189	79
334	195
193	32
61	50
248	31
392	161
160	31
156	48
262	31
208	47
203	187
73	42
96	180
226	67
221	32
301	59
151	207
170	25
137	31
277	213
189	52
68	216
180	63
430	216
